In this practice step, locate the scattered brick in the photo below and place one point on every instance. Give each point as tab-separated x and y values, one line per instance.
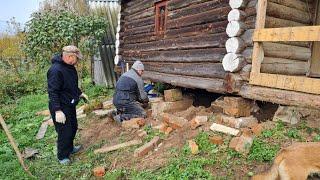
193	147
174	121
237	106
224	129
168	130
146	148
134	123
99	171
198	121
218	140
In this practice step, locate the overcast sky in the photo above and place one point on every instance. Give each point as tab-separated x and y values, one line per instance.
20	9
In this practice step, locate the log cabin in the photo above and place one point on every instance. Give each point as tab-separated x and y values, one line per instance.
265	50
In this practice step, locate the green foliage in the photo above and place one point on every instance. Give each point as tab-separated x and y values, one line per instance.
262	151
49	31
13	87
204	144
151	133
293	133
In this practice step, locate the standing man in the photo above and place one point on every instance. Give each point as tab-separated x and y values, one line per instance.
129	94
64	95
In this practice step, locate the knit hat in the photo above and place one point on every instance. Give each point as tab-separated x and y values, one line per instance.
137	65
72	49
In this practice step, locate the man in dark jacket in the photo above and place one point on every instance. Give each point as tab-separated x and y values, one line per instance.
64	95
129	94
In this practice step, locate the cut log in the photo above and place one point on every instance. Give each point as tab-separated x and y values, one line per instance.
235	28
238	4
247	37
236	15
105	149
245	72
283	66
210	84
235	45
279	96
273	22
247	54
286	51
233	62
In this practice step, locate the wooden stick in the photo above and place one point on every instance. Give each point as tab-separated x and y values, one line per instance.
15	147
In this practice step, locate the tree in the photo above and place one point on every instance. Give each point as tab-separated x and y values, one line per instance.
47	32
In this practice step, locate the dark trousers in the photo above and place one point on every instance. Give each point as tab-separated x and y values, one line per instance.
130	110
66	132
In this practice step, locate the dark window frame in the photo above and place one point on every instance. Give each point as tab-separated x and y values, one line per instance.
161	17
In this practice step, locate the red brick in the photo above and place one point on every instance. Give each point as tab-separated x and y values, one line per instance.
198	121
168	130
172	95
241	144
146	148
233	143
218	140
173	121
99	171
257	129
193	147
237	106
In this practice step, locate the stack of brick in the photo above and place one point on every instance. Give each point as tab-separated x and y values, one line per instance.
235	118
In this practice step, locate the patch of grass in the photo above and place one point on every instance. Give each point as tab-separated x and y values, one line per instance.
262	151
151	133
293	133
204	144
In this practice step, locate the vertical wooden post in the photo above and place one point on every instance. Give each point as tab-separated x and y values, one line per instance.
258	53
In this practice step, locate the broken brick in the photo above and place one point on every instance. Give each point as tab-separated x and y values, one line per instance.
193	147
134	123
99	171
257	129
168	130
224	129
164	107
198	121
241	144
287	114
237	106
218	140
146	148
172	95
173	121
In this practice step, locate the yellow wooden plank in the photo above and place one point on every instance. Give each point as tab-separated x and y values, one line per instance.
305	33
294	83
257	54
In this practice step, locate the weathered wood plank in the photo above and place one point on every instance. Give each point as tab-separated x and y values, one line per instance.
294	83
193	55
139	23
177	4
283	66
210	84
278	96
306	33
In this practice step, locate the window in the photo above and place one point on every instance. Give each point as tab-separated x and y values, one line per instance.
161	17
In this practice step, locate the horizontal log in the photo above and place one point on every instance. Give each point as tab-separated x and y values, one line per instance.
283	66
233	82
284	12
140	15
271	22
208	28
278	96
139	7
286	51
178	4
245	72
212	55
297	4
215	40
215	15
139	30
139	22
197	8
207	70
211	28
209	84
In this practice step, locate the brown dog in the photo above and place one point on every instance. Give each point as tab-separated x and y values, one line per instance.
295	162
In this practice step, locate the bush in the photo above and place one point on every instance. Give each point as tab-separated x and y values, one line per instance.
13	86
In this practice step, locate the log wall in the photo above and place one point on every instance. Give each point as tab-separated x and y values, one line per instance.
191	49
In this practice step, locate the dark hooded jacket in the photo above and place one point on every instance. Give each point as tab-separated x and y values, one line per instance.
62	84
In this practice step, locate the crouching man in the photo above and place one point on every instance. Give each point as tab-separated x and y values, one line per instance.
129	96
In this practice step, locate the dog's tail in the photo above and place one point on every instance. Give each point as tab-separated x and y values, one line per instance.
273	172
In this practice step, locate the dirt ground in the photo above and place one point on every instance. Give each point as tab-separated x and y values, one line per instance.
98	132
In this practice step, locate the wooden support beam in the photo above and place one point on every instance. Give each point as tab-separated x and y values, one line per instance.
305	33
294	83
258	54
